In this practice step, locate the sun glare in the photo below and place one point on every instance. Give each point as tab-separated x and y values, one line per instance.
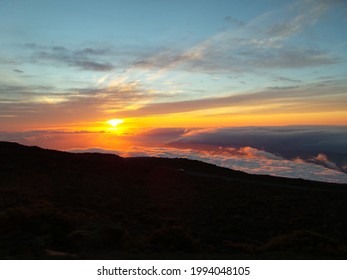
115	122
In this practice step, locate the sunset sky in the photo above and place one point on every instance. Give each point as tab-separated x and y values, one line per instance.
68	67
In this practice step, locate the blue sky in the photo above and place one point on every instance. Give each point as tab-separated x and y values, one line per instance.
105	59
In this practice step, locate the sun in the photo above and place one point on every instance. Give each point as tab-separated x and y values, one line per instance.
115	122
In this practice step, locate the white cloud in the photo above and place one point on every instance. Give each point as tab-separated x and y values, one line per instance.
249	160
323	159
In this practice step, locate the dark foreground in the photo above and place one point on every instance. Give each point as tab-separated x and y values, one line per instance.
96	206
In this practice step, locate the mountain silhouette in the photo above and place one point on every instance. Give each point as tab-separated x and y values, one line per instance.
60	205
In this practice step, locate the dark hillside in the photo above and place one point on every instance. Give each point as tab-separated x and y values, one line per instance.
98	206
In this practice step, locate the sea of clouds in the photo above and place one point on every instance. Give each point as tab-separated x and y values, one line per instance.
309	152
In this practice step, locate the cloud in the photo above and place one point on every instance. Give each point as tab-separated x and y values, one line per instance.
309	152
284	99
293	58
284	87
18	71
266	42
91	65
323	159
246	159
255	153
235	21
286	79
169	133
92	51
22	93
332	138
289	142
166	59
89	59
41	103
227	53
298	16
129	98
85	59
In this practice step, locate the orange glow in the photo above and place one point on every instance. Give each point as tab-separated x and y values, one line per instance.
123	134
203	118
200	119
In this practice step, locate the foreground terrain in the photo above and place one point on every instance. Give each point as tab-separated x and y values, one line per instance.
98	206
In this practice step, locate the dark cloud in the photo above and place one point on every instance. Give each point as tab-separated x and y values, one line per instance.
283	87
18	71
94	150
31	46
12	91
92	51
165	59
160	135
163	132
84	59
59	49
90	59
326	77
312	143
235	21
285	79
91	65
293	58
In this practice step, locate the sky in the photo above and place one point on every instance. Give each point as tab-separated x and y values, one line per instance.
163	67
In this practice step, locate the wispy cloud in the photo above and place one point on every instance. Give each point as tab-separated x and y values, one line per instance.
263	43
78	104
290	96
280	78
298	16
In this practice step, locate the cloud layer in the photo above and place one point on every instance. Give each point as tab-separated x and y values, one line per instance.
311	143
249	160
311	152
